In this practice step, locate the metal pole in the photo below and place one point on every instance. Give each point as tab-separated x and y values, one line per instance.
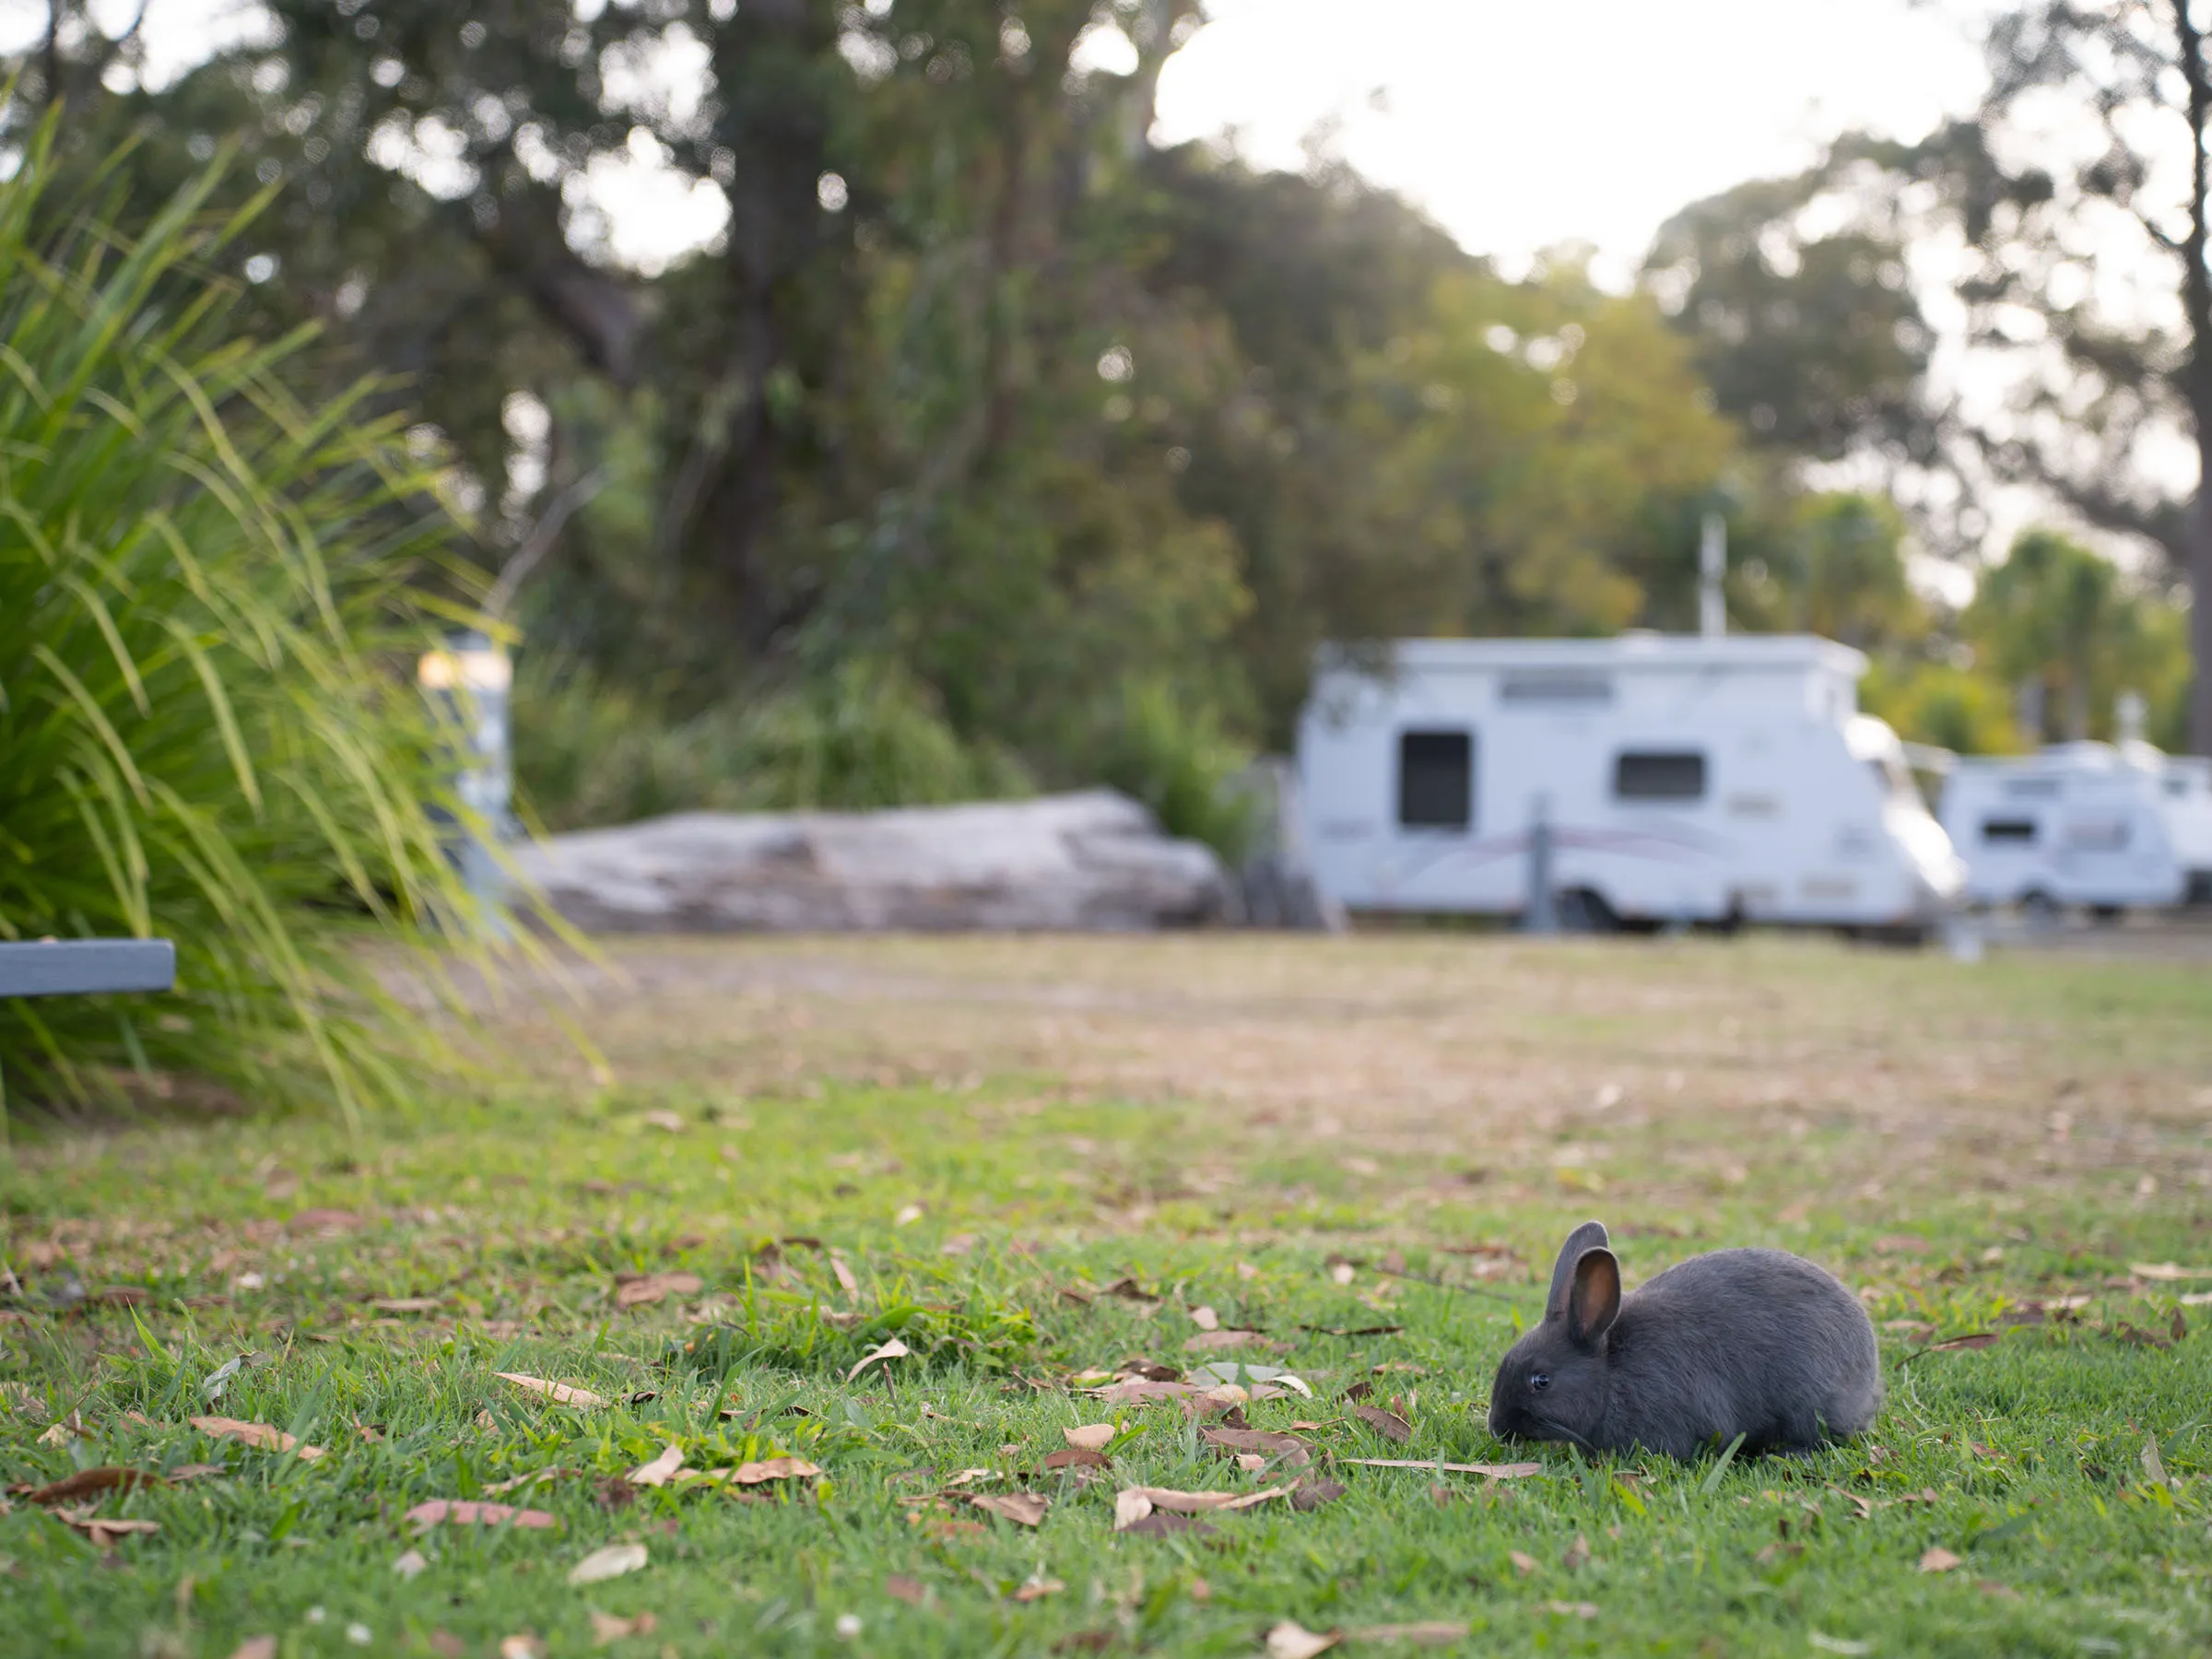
471	678
1542	915
1713	565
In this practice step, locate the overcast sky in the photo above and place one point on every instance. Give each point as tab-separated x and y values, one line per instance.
1518	125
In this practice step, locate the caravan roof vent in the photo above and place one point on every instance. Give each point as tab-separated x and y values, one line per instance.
1555	687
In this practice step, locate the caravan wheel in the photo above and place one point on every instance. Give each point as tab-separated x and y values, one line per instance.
2042	911
1584	910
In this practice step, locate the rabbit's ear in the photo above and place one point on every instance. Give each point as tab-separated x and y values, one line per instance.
1594	1299
1590	1235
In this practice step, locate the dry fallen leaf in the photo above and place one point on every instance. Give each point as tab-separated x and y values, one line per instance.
1089	1437
1939	1560
561	1393
1388	1424
1208	1342
323	1222
1578	1554
2153	1464
651	1288
465	1512
662	1119
845	1280
256	1647
907	1215
661	1470
908	1590
606	1628
1290	1640
1036	1588
775	1469
412	1564
520	1647
1288	1447
101	1530
1077	1457
1344	1273
1206	1319
255	1434
2168	1271
1247	1272
1132	1504
1524	1563
87	1481
893	1349
1311	1494
1028	1508
1573	1609
610	1562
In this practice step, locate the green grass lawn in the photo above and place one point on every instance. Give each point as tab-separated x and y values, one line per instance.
1364	1151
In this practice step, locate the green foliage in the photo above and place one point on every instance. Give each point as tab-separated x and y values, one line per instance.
2058	617
204	592
590	752
1180	762
1938	703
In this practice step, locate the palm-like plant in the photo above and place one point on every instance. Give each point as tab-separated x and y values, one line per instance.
209	596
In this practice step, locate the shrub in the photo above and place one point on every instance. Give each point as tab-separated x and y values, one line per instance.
868	735
208	605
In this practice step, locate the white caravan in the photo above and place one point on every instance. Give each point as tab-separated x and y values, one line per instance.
2076	823
2185	800
1682	779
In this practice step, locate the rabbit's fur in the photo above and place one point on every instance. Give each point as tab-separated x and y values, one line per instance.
1751	1342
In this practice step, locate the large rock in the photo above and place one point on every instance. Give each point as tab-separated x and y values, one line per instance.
1095	861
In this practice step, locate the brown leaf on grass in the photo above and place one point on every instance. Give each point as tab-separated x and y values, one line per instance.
1311	1494
465	1511
64	1429
1028	1508
1077	1457
2167	1272
607	1629
775	1469
2127	1332
447	1645
1288	1447
323	1222
18	1398
1901	1244
614	1561
1128	1289
2178	1327
1089	1437
667	1122
1388	1424
661	1470
121	1296
1208	1342
645	1290
1429	1634
893	1349
1573	1609
845	1281
561	1393
1036	1588
87	1481
1865	1509
256	1647
1939	1560
101	1530
910	1591
1290	1640
1386	1330
1206	1319
258	1435
1132	1504
193	1471
2153	1464
1578	1554
1973	1339
522	1647
1513	1471
1524	1563
406	1304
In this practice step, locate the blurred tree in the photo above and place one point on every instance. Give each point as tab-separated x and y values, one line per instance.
1813	339
2070	631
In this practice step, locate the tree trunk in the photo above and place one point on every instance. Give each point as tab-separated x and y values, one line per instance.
2200	592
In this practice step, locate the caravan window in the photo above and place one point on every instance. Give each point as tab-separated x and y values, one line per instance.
1436	780
2000	832
1659	775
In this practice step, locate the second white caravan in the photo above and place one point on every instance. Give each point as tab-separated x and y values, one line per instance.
1681	780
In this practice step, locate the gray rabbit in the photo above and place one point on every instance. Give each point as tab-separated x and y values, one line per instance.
1751	1342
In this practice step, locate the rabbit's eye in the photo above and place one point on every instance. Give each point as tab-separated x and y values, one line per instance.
1538	1380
